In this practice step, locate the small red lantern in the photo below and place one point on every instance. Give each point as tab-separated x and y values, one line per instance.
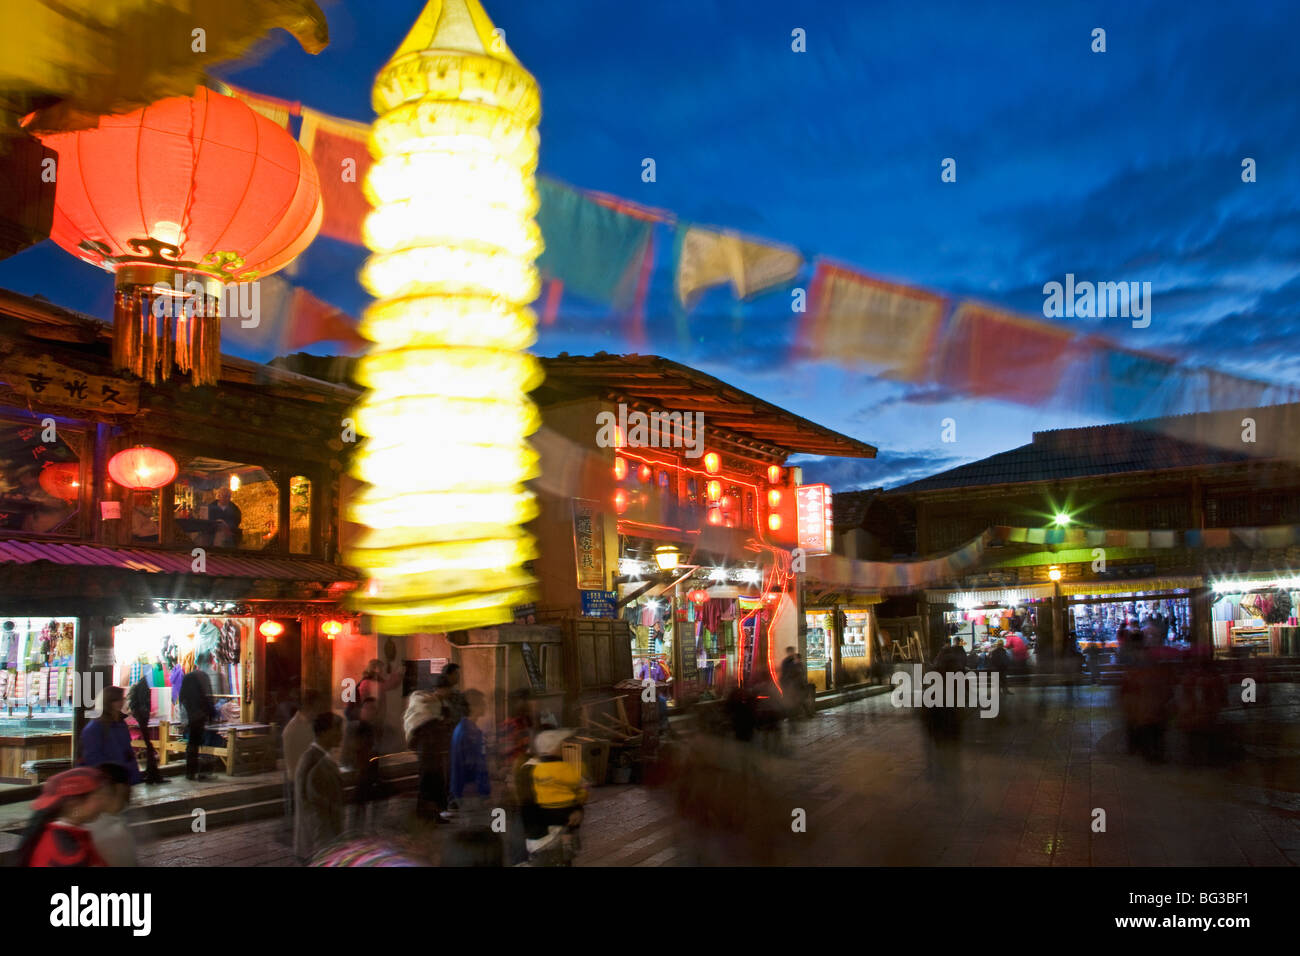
270	630
713	490
774	522
332	629
774	498
62	480
712	463
774	474
645	473
698	596
715	516
620	468
620	501
142	468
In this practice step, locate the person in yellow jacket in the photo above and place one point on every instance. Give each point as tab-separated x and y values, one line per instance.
553	793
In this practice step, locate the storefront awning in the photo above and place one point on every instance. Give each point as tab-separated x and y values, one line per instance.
1147	585
1002	596
171	562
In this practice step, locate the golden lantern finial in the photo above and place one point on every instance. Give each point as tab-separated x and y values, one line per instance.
447	414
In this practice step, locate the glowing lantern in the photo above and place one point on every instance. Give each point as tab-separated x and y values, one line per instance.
620	468
191	191
774	474
270	630
712	463
713	490
715	516
725	502
620	501
667	557
645	473
454	244
142	468
774	498
332	629
62	480
698	596
773	522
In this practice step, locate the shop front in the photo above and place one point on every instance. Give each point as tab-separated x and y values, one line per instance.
1256	616
37	663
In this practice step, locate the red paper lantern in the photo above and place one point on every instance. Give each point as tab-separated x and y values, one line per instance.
774	522
332	629
715	516
270	630
620	501
620	468
774	474
645	473
774	498
201	186
62	480
713	490
712	463
142	468
698	596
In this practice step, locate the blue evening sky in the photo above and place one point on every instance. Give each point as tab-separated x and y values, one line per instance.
1118	166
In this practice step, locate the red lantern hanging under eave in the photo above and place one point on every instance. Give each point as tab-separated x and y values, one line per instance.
195	191
142	468
62	480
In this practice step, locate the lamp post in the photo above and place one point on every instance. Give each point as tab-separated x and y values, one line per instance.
1058	616
447	414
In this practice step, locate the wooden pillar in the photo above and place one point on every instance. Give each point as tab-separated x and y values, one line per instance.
836	637
1200	605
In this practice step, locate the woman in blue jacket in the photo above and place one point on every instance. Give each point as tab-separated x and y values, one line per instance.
107	739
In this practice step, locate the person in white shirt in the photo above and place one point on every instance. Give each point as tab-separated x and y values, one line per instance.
318	789
109	830
296	739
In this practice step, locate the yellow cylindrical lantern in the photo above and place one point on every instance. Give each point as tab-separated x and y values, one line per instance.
447	414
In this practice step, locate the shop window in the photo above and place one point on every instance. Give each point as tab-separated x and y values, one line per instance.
145	510
36	661
40	478
300	515
226	504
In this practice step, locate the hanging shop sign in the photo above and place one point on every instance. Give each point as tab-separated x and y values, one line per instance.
816	529
531	668
599	603
589	544
37	379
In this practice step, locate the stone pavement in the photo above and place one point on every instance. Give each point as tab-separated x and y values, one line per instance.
1020	790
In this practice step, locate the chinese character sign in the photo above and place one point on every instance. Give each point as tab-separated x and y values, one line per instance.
816	531
589	544
40	381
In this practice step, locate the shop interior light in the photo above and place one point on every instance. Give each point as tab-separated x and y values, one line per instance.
631	568
718	574
234	482
667	556
712	463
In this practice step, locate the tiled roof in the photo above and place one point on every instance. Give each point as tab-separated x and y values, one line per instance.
1183	441
850	507
14	551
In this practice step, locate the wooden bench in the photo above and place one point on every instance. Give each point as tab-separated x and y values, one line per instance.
249	748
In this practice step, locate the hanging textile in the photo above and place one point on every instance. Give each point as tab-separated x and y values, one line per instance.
339	149
276	110
854	319
591	248
995	353
709	257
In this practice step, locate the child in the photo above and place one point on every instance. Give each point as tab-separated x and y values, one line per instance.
111	835
553	793
56	835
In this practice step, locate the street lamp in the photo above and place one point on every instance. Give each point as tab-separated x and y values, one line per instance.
1062	519
667	556
1054	573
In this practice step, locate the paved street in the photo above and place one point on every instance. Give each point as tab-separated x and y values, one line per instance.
1021	790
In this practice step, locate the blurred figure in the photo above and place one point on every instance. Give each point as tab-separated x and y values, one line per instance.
1019	652
553	794
141	701
1202	694
295	739
1071	666
740	711
318	789
107	739
1094	660
56	834
514	745
196	698
1000	663
1145	698
469	767
428	728
794	683
109	830
376	682
361	749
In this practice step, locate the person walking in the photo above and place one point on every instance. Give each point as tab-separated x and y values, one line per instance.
428	732
295	739
553	794
141	701
318	789
56	834
107	739
109	831
196	698
469	767
1000	664
791	683
376	682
